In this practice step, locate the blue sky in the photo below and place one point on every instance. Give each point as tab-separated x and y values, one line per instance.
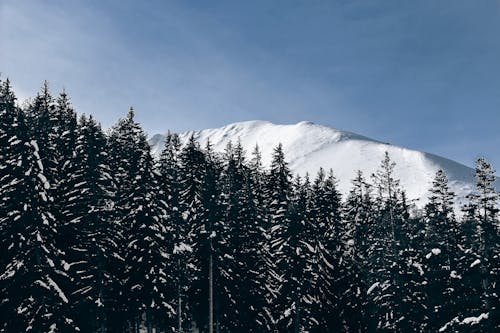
421	74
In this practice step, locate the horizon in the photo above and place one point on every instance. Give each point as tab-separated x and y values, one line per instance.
365	67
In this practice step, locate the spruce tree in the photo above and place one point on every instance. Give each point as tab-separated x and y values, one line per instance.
201	207
485	201
141	214
387	263
31	280
169	180
441	253
262	244
359	218
240	261
92	254
330	246
278	204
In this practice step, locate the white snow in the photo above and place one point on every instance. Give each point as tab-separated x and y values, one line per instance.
466	321
436	252
66	266
45	183
475	320
419	267
53	328
310	146
57	289
433	252
310	248
182	248
372	287
476	262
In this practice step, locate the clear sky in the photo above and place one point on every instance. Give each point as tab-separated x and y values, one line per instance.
421	74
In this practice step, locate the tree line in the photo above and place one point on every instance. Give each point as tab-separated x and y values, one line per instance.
98	235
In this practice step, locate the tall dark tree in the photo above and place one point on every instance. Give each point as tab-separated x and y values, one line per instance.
359	218
92	250
169	180
240	260
8	143
141	214
33	300
483	209
201	203
330	247
278	204
41	124
387	262
259	190
441	254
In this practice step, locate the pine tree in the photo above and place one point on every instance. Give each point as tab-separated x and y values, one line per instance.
485	212
169	179
359	217
262	243
330	246
11	148
140	213
8	141
41	124
200	200
299	291
278	204
33	300
91	254
441	254
240	260
387	262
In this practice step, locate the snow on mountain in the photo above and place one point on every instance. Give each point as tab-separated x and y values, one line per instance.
309	146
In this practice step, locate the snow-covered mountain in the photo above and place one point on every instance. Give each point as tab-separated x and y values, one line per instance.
309	146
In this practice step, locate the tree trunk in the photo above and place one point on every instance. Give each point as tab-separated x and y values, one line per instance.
210	296
179	305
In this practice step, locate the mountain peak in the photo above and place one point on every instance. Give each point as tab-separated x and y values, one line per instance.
309	146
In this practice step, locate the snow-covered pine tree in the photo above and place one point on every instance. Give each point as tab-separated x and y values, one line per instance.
8	114
330	247
41	125
11	148
240	262
8	123
169	180
259	190
386	260
141	214
279	189
469	271
440	252
297	293
62	140
201	207
359	219
486	203
30	283
92	250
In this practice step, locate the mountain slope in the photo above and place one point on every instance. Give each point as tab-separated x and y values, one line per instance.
310	146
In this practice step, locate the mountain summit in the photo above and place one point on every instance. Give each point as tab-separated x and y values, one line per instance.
309	146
